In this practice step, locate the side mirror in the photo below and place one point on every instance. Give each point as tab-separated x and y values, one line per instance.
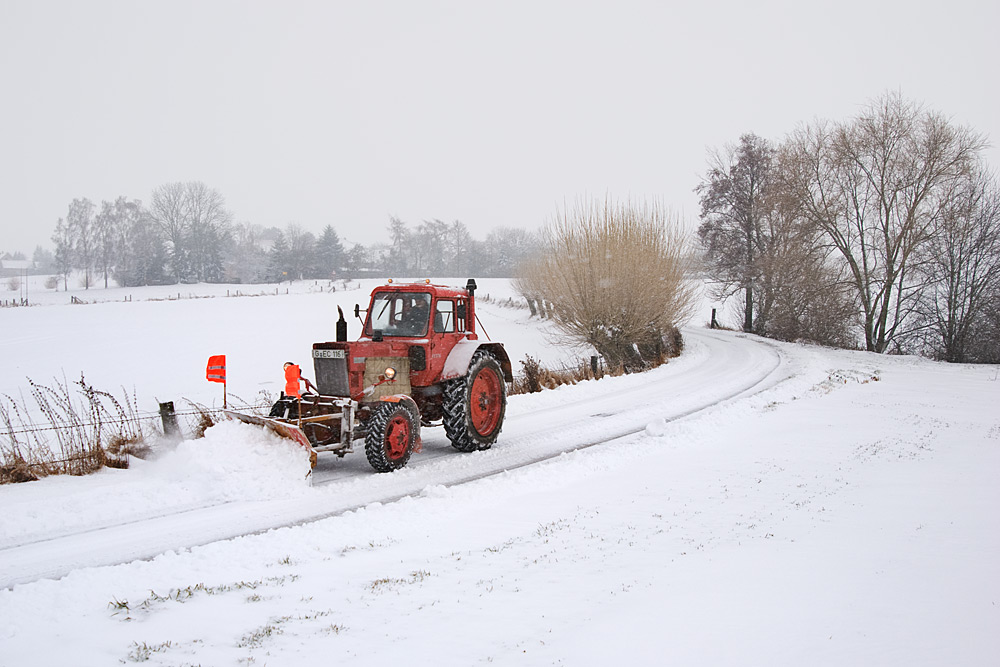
357	311
461	311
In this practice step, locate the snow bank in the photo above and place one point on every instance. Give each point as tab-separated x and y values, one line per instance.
234	461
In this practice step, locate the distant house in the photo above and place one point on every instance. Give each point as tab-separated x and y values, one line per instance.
16	267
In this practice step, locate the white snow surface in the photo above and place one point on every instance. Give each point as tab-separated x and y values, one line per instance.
749	503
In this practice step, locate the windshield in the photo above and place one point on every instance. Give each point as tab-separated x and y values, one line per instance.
400	313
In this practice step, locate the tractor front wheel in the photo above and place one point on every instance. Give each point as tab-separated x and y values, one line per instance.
474	405
392	433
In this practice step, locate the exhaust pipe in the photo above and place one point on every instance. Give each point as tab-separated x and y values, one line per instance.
341	327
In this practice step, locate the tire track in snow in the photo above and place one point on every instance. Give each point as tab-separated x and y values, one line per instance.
548	432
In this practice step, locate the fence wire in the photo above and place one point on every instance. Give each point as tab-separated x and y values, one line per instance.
149	416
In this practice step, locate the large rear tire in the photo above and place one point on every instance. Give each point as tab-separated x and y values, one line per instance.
474	405
393	430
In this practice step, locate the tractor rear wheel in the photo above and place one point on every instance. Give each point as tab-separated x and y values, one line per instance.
474	405
393	431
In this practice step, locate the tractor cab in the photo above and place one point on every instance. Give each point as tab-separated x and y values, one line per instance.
420	310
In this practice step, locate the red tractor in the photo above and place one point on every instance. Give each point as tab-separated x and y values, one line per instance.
418	362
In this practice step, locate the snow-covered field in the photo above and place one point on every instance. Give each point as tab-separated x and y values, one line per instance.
763	504
158	344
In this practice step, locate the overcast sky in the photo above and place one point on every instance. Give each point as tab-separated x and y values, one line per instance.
346	113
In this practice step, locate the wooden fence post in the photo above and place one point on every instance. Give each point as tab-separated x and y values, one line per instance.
169	418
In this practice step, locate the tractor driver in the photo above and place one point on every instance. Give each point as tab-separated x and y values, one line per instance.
415	319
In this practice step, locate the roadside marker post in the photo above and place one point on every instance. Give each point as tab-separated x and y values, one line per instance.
216	372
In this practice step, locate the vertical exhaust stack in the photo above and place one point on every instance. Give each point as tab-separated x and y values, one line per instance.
341	327
470	287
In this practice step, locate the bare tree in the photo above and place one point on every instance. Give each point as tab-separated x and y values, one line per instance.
736	201
801	292
141	252
248	261
506	248
207	227
167	208
984	343
63	241
301	252
875	186
431	241
80	223
964	266
106	234
399	255
616	275
460	244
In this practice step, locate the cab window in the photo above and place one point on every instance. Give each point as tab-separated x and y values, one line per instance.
444	316
402	314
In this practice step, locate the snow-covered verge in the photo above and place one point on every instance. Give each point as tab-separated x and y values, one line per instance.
848	515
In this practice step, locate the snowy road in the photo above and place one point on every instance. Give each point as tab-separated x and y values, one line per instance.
716	367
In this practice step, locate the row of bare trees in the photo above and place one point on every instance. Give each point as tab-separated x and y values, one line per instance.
187	234
180	237
438	248
883	229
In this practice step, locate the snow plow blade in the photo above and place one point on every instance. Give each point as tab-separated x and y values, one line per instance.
282	428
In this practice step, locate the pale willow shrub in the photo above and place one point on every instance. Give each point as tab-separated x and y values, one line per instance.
612	275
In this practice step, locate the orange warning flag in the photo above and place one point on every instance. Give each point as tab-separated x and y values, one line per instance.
216	371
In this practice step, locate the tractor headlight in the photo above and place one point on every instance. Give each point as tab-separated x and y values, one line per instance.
390	373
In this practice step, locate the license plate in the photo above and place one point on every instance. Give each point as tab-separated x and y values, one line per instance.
329	354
